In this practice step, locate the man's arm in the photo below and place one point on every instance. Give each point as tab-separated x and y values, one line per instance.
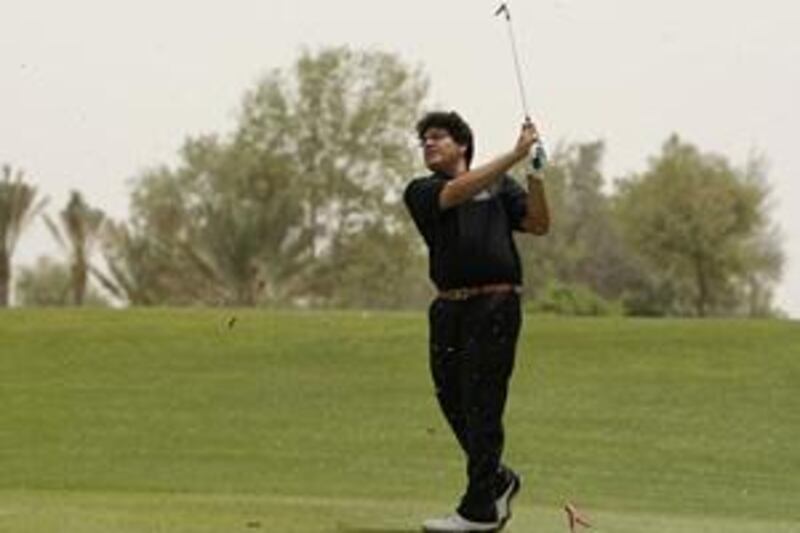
464	186
537	214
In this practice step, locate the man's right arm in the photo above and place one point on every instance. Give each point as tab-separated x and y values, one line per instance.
464	186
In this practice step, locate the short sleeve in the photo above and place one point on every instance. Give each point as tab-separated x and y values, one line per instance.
515	201
422	200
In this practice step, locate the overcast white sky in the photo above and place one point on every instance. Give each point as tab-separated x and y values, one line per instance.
93	91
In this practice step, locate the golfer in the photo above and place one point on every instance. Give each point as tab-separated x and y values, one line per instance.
466	217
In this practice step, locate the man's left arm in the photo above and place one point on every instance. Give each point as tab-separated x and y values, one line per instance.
537	214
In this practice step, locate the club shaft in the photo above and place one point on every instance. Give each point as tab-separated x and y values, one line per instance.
540	156
517	67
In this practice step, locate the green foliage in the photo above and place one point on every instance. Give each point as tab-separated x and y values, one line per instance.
701	231
690	236
81	228
583	258
573	300
374	269
223	226
138	268
49	283
341	120
277	211
301	204
18	206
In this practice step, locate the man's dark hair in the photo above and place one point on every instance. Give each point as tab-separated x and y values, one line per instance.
453	124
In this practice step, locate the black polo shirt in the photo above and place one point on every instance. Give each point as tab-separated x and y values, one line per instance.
470	244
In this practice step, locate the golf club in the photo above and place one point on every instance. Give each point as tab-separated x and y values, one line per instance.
540	156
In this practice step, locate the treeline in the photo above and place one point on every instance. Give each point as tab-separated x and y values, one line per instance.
300	205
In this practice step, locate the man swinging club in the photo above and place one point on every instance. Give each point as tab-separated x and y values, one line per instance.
466	217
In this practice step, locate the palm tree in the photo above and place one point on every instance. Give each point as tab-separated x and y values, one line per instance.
81	225
18	206
139	269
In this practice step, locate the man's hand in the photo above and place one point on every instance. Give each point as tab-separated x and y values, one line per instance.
466	185
527	138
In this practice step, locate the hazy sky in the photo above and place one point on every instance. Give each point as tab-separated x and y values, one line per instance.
92	92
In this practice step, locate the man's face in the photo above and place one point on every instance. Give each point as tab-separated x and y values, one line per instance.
441	152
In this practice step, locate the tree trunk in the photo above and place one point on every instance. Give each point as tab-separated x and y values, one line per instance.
5	278
79	276
247	289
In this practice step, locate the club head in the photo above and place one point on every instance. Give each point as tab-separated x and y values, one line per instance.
502	9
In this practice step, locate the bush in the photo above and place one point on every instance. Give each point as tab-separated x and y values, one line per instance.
572	299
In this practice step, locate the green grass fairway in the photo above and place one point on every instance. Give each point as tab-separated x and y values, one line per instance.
170	421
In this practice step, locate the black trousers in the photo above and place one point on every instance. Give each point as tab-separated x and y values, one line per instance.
472	347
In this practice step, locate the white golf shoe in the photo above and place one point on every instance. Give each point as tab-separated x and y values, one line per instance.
503	502
456	523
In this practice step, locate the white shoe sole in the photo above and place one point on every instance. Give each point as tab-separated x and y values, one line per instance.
458	525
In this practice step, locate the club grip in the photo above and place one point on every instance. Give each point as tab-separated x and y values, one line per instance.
539	160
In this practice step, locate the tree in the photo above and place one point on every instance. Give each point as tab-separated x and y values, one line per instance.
342	122
81	225
702	232
18	206
318	157
135	266
224	226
